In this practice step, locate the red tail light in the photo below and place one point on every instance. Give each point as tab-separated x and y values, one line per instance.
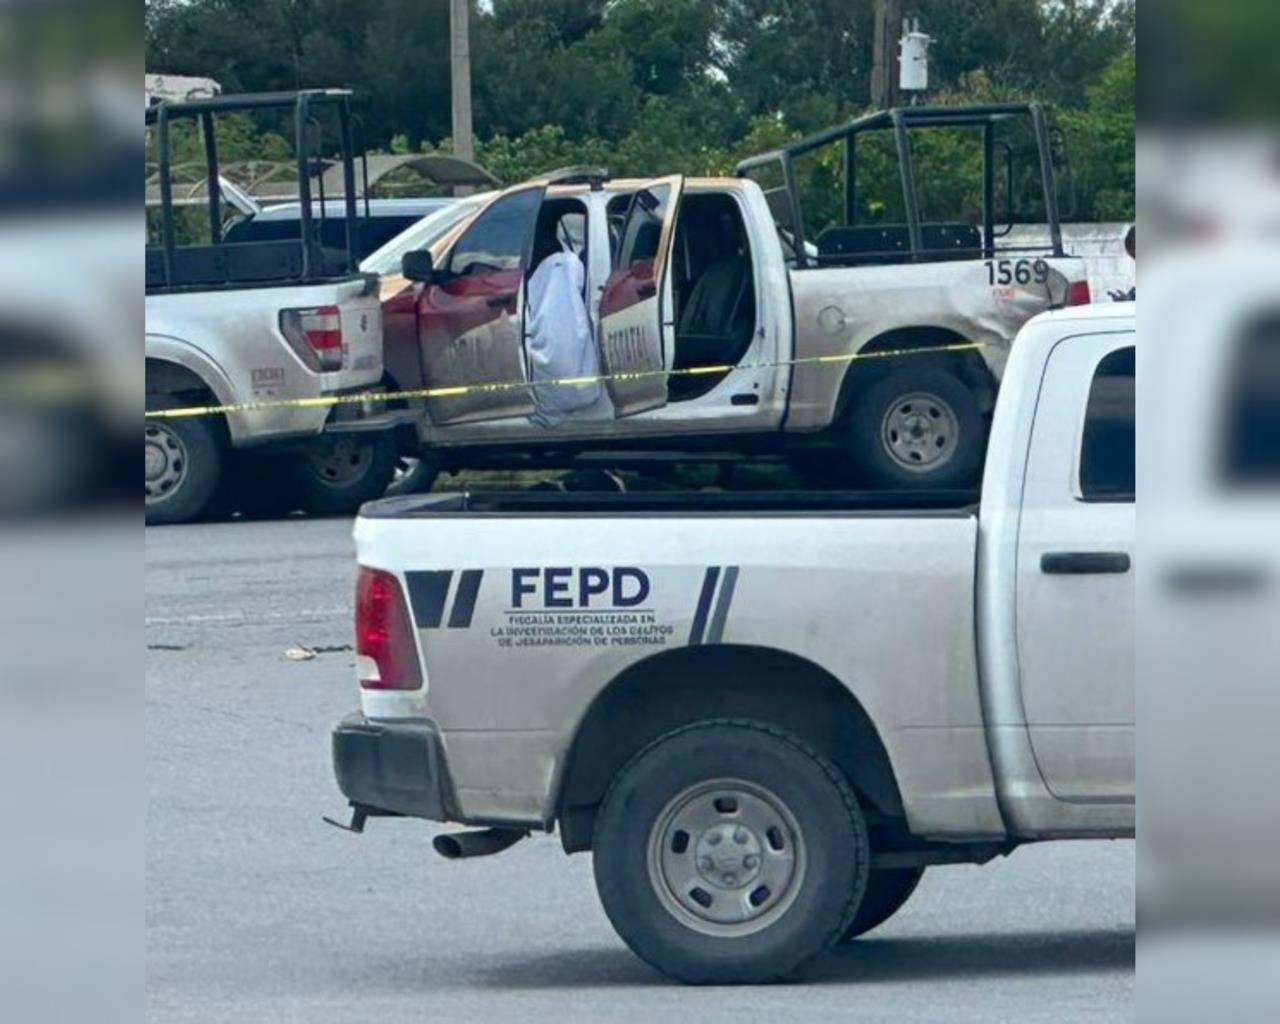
316	335
386	655
1078	293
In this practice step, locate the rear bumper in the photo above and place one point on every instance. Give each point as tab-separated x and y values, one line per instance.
304	423
369	417
392	766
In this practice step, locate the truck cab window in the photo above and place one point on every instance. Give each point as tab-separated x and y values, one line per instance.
497	240
1107	446
772	181
616	215
643	230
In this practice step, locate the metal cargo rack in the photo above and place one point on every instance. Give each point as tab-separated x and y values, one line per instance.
223	264
915	241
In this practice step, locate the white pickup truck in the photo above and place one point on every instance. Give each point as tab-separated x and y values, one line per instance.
767	714
745	314
252	323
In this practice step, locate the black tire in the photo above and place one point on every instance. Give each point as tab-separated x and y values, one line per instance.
634	846
412	476
340	474
887	892
253	485
947	453
183	463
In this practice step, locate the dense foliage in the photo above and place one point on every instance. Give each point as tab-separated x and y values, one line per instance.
650	86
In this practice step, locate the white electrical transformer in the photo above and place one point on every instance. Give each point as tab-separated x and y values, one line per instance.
913	60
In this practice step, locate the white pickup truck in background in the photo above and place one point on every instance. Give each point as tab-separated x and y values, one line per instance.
230	346
234	322
767	714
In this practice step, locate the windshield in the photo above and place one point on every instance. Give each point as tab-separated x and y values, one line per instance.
421	235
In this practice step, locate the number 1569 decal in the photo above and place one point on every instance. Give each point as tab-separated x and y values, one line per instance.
1017	271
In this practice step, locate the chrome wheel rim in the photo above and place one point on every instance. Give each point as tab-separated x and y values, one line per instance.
341	463
919	431
164	460
726	857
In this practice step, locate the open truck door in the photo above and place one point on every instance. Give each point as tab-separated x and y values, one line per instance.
470	313
631	308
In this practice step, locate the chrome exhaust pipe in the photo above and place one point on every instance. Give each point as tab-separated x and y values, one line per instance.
457	845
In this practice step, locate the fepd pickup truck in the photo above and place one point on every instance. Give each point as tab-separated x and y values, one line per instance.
767	714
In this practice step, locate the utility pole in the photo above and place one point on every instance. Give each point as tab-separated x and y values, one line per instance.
884	61
460	77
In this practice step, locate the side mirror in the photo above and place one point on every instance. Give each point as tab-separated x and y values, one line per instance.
418	266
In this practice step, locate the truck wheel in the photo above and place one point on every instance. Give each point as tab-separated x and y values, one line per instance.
412	476
917	428
253	485
340	474
729	852
182	460
887	892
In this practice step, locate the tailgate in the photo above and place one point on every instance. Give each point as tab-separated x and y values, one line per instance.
361	336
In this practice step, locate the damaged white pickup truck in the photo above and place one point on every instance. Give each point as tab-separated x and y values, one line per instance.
744	314
767	714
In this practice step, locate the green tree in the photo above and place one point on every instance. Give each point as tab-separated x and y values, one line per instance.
524	76
1101	137
807	60
668	43
652	86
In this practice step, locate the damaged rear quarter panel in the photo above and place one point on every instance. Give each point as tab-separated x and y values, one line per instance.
838	310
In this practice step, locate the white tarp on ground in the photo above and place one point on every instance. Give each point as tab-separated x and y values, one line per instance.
1100	245
561	342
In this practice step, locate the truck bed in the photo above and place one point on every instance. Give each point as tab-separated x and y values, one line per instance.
873	589
676	503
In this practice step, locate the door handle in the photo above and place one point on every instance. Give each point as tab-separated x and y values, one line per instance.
1084	563
646	290
498	301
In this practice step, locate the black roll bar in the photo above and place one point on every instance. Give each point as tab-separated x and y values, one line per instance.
166	188
301	117
988	192
212	271
906	171
211	177
240	101
900	121
1047	177
850	179
349	182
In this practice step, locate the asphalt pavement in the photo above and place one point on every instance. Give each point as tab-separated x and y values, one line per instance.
258	911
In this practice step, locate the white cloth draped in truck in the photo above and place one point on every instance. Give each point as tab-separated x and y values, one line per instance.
561	343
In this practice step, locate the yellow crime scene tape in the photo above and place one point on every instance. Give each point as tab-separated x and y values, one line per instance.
491	387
